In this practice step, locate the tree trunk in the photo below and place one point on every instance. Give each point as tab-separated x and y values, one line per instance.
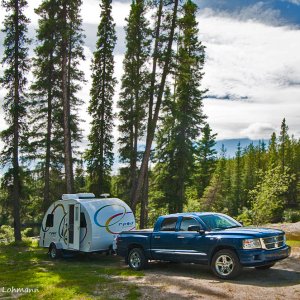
66	110
16	168
46	200
144	203
133	192
153	123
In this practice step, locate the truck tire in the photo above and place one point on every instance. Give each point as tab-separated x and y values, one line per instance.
54	253
137	259
225	264
265	267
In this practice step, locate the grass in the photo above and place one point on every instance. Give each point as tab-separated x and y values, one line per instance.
81	277
293	243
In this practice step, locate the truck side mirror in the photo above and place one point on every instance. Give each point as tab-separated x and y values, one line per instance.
195	228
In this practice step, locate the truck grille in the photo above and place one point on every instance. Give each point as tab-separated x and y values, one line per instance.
273	242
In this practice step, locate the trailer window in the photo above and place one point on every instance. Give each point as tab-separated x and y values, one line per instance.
82	220
49	220
168	224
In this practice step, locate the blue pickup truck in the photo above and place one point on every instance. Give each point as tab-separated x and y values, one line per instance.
213	239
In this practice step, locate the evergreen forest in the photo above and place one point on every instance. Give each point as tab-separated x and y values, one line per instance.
166	149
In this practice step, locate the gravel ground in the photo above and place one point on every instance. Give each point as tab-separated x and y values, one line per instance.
188	281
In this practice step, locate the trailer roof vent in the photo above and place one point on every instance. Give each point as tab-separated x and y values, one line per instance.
69	196
104	195
85	195
78	196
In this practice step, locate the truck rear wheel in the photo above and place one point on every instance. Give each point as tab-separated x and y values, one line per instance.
225	264
137	259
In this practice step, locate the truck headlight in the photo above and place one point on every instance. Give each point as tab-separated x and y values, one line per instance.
251	244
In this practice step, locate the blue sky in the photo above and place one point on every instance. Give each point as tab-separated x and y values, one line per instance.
252	64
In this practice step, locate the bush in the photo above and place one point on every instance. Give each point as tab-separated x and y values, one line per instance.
245	216
7	233
291	216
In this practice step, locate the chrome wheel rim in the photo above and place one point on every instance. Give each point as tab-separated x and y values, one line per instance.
224	265
53	252
135	260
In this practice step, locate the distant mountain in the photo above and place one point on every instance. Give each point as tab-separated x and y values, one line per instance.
231	145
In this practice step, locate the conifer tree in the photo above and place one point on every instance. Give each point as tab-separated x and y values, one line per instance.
273	151
14	80
134	89
45	98
100	152
162	56
205	158
237	200
71	52
187	107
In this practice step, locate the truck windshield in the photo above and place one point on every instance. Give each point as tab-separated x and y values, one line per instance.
219	222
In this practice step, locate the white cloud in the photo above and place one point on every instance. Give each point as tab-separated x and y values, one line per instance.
253	61
91	12
255	64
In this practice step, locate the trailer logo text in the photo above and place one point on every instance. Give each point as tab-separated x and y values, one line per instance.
116	219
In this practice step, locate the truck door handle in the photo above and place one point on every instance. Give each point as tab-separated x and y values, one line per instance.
157	237
180	237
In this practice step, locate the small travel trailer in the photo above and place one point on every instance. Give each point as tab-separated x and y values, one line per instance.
80	222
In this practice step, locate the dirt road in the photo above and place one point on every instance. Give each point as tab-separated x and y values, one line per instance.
187	281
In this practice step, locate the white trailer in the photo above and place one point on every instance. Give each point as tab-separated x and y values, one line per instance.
80	222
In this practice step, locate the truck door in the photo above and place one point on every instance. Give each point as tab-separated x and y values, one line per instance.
162	243
74	226
191	245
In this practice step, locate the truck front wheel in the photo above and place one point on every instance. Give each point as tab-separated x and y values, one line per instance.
137	259
225	264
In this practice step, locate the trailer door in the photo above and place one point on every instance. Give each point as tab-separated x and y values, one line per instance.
74	226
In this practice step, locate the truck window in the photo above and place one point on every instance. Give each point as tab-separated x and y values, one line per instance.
186	222
49	220
168	224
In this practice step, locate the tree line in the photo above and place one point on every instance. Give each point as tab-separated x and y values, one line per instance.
166	147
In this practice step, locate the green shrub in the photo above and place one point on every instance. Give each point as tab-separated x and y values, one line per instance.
6	234
291	216
245	216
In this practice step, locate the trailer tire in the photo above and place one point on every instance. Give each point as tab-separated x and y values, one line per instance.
225	264
54	253
137	259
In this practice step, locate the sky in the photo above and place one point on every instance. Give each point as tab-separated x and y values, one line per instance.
252	67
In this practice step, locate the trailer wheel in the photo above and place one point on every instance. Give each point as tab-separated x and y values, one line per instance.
265	267
137	259
225	264
54	253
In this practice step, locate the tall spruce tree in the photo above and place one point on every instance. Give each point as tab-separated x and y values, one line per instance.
16	63
164	35
71	53
45	97
237	195
100	152
187	107
134	97
205	158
